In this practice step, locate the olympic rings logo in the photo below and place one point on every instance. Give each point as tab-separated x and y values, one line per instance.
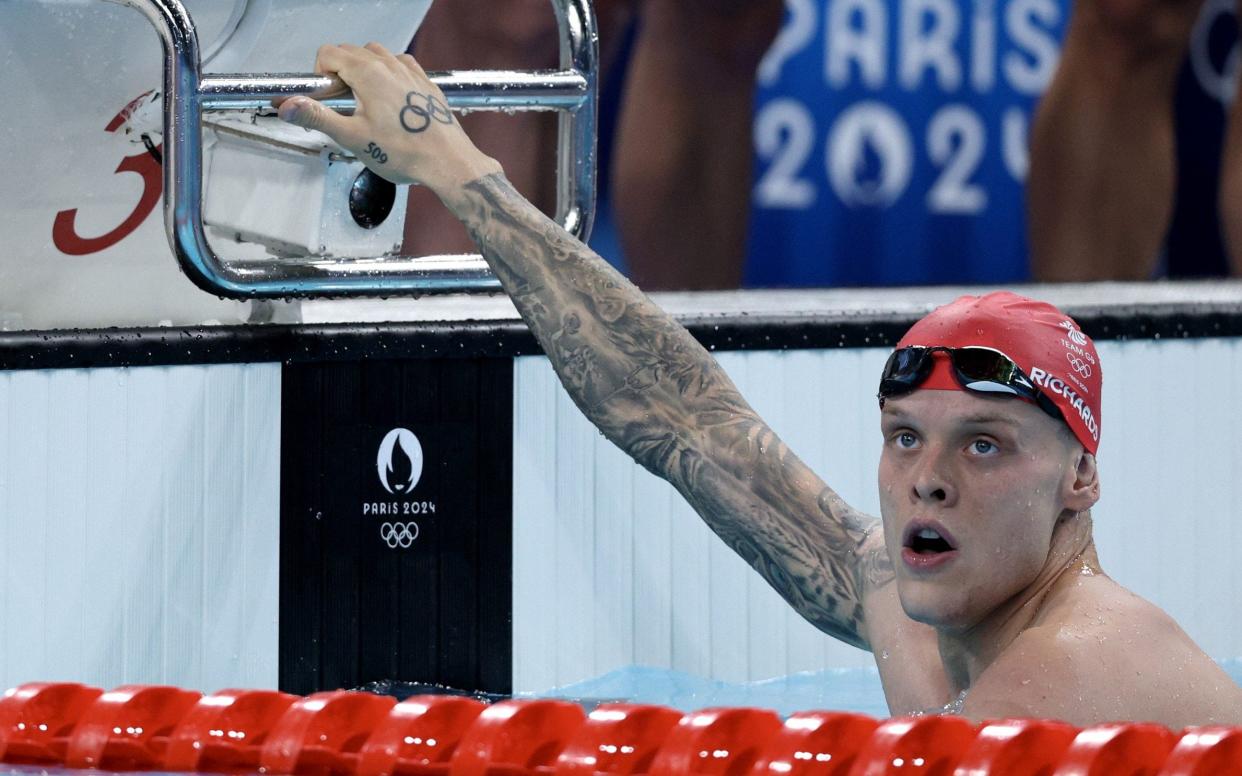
1080	366
399	534
416	118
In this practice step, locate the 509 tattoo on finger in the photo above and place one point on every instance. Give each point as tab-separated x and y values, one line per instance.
376	153
420	109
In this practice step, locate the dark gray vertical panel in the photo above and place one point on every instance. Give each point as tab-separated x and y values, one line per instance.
378	580
495	505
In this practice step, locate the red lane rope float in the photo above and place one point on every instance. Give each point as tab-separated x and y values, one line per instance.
617	738
323	733
915	745
36	719
816	742
715	741
513	738
419	736
128	728
358	734
1209	751
1017	747
1106	750
225	732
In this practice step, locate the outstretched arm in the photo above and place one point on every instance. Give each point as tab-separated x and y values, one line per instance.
655	392
634	372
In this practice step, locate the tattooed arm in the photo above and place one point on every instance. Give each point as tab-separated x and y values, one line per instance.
655	392
632	370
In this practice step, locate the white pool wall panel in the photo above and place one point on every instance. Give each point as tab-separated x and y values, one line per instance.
612	568
1171	464
140	535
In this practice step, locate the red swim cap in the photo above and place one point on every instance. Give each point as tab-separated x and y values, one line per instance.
1043	341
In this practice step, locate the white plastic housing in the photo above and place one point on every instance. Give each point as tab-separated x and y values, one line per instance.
288	190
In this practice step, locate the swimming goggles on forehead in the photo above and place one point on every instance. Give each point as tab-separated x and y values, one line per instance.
977	369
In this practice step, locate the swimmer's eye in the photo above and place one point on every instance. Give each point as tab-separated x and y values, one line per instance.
983	447
905	440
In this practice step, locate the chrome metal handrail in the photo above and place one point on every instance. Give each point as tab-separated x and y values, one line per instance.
188	94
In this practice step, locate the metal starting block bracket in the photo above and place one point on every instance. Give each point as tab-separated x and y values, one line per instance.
571	91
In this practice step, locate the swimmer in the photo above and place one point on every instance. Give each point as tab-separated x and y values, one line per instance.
981	581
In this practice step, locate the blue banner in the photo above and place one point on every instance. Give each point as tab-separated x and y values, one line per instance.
891	141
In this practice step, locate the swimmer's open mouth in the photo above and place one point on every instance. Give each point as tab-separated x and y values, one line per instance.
928	538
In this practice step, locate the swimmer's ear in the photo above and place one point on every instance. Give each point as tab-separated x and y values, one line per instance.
1084	490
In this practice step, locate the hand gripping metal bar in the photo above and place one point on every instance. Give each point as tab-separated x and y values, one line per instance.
188	93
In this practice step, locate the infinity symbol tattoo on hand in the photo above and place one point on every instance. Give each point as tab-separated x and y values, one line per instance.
416	118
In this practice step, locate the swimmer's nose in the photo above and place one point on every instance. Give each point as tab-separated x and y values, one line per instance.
931	485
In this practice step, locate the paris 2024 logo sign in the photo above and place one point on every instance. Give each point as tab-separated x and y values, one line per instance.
400	461
399	465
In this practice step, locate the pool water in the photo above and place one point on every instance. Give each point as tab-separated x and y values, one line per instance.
844	689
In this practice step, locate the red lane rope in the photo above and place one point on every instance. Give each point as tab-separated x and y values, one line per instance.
137	727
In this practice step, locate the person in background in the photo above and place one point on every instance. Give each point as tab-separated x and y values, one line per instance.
681	161
1103	166
473	35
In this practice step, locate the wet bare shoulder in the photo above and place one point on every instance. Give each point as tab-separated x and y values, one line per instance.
1106	654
